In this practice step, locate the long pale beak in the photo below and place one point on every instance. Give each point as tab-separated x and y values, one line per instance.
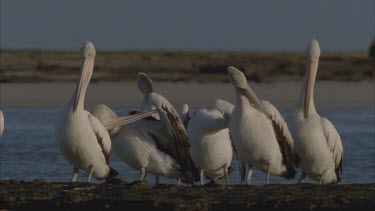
86	69
120	121
311	67
251	96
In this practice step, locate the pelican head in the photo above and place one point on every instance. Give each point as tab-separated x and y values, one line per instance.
144	83
239	81
184	114
88	50
224	107
237	77
313	50
312	53
88	55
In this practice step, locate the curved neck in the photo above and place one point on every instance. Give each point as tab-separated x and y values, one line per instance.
242	102
78	98
146	103
305	102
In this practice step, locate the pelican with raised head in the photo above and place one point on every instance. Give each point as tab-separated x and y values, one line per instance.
82	138
211	147
260	135
317	142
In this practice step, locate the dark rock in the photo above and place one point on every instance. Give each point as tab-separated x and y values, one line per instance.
140	195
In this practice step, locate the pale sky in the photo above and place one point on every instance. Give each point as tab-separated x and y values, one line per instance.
281	25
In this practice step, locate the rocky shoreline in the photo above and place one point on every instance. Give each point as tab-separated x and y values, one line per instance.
41	195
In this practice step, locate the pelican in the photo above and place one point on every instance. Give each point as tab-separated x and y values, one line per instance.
154	146
82	138
260	135
211	147
142	145
316	140
1	123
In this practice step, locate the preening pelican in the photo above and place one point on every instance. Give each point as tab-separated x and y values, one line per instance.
154	146
1	123
211	147
82	138
316	140
259	133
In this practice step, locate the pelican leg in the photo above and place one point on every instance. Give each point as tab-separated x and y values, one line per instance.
303	175
157	179
90	175
320	182
249	174
201	177
75	174
142	174
226	175
268	175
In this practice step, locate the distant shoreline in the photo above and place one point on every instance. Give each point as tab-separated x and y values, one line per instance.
181	66
328	94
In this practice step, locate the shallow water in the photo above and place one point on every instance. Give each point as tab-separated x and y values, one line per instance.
28	149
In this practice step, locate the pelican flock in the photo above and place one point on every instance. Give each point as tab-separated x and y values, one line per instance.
317	140
192	144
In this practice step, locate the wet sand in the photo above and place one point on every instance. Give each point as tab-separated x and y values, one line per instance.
39	195
328	95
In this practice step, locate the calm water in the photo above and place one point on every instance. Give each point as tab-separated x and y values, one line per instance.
28	149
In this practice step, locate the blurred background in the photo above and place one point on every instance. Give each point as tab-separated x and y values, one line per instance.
185	41
185	47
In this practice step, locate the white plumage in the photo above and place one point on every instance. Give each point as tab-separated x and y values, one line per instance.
317	142
153	145
82	138
259	133
211	147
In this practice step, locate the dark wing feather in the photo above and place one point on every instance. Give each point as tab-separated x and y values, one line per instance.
180	145
284	140
290	159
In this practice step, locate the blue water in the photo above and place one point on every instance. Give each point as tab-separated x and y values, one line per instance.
28	149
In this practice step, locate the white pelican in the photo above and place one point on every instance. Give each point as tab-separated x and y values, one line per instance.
154	146
259	133
211	147
316	140
82	138
1	123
